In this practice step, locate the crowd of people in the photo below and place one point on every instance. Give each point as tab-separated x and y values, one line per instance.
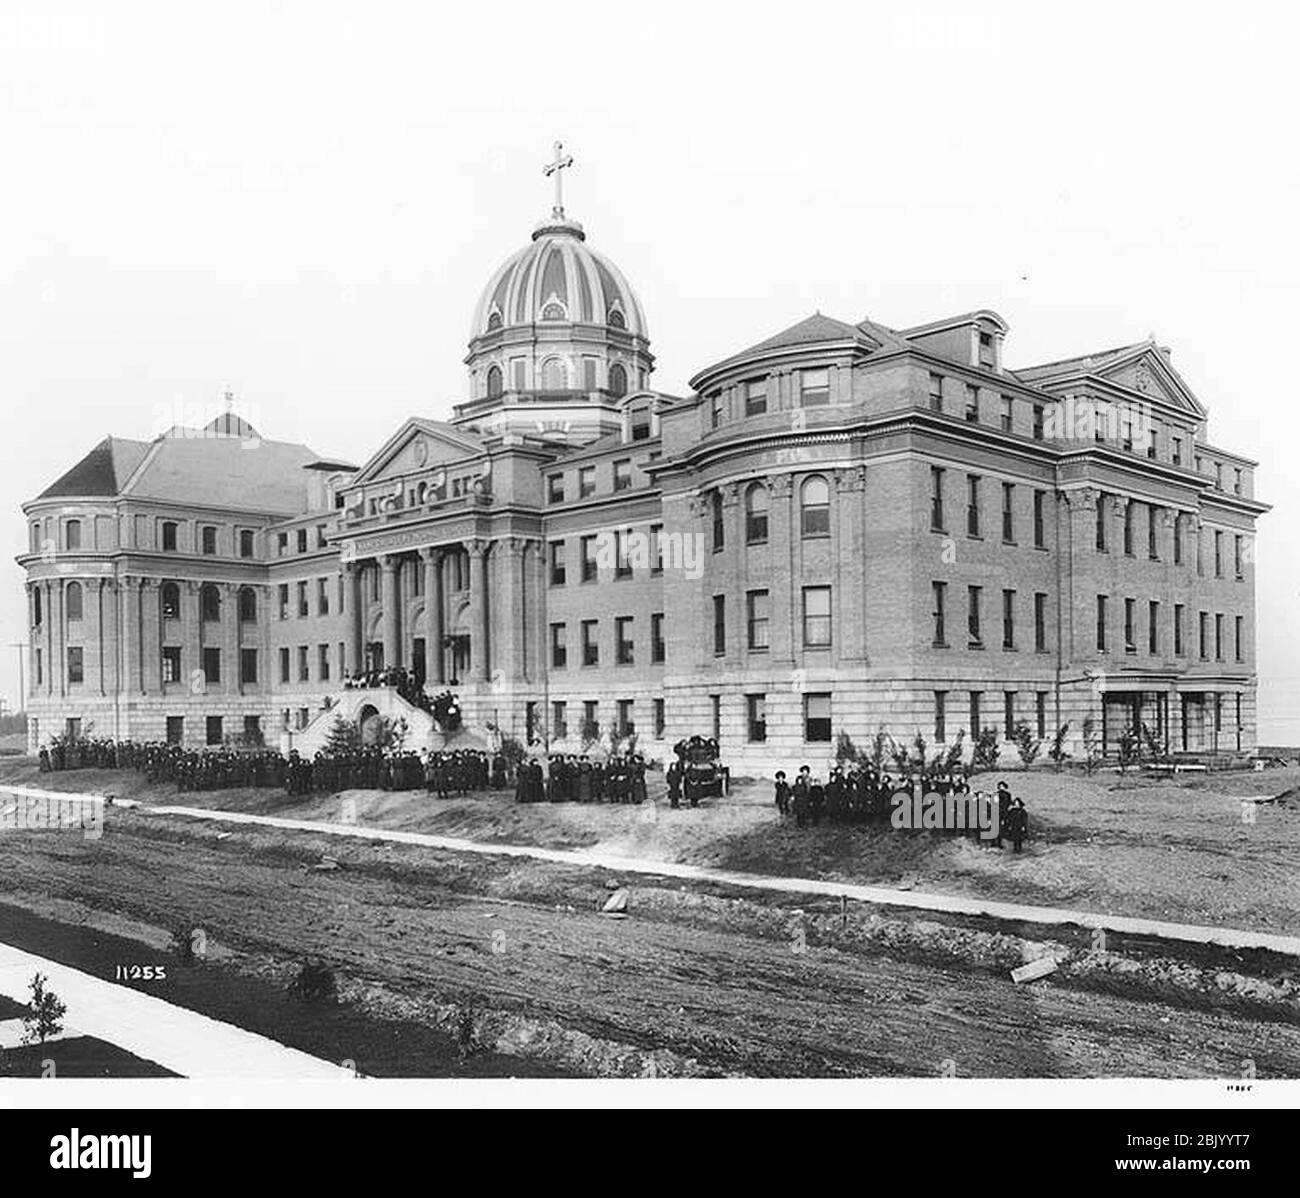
863	794
399	678
577	778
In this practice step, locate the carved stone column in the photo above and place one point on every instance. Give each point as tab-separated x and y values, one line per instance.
392	614
356	651
480	613
434	655
781	538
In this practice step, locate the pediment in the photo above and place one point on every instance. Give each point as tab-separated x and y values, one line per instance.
420	445
1149	373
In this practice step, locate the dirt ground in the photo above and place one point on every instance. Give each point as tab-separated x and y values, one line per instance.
1119	846
412	929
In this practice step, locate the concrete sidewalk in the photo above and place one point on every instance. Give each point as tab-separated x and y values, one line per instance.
180	1040
882	895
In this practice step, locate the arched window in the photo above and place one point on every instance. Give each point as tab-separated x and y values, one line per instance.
815	504
756	514
617	380
553	312
719	526
616	319
209	602
555	376
494	382
171	601
72	534
74	601
494	321
247	605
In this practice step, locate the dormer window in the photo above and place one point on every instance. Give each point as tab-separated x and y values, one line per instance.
494	321
641	424
616	319
553	311
987	352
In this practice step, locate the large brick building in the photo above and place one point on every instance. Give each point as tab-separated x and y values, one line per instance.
843	527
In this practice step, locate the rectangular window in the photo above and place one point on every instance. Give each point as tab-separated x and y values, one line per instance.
76	664
715	701
719	624
623	648
719	523
213	732
559	724
555	488
814	388
169	536
1237	557
936	393
282	543
559	647
1038	422
975	715
972	505
1218	554
209	539
972	403
1009	713
175	729
1130	620
623	716
1040	621
757	618
817	718
936	499
1204	630
586	481
1153	627
247	666
1176	450
1128	527
588	545
816	617
622	474
590	644
1008	513
640	424
756	719
1236	481
756	397
1007	410
323	662
656	549
284	665
1040	704
1102	503
1238	637
715	409
1008	619
940	716
940	593
171	663
1218	636
1152	548
622	566
323	593
557	563
211	665
1040	526
302	600
973	634
656	637
657	706
302	540
1178	539
1101	623
304	665
1178	630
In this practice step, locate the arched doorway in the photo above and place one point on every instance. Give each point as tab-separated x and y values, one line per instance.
369	722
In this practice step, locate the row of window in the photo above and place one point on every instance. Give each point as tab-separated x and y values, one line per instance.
556	491
1102	538
553	372
975	618
590	720
589	642
1011	717
1206	622
813	388
975	509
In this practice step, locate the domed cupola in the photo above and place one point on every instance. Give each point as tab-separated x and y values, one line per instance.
558	317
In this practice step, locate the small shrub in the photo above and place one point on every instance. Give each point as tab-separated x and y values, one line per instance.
45	1013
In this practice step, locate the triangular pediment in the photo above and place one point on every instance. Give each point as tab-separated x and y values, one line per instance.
1149	373
419	445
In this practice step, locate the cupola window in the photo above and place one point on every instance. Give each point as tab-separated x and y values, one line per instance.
553	311
616	319
617	380
494	382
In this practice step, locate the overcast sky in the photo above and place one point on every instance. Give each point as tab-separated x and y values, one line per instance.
302	202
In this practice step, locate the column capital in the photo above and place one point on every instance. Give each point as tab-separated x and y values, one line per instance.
781	486
515	546
477	547
853	478
389	562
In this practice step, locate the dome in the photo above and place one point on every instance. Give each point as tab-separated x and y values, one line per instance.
558	279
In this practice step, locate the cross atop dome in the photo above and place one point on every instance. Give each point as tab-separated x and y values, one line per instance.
560	162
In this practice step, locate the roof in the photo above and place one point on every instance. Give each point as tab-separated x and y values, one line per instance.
103	471
194	467
812	330
1085	363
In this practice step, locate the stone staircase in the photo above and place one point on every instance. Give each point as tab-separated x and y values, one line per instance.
349	705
